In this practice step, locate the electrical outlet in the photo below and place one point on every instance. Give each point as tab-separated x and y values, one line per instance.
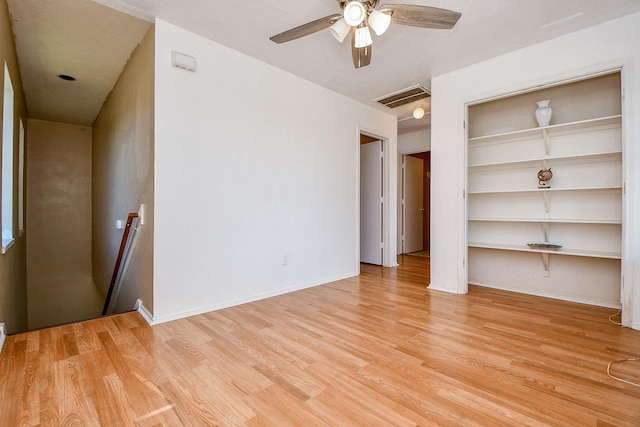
285	259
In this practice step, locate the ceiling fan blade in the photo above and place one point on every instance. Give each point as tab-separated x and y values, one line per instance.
422	16
306	29
361	55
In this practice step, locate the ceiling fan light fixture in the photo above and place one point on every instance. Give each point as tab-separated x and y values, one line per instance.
354	13
340	29
359	15
418	113
363	37
379	21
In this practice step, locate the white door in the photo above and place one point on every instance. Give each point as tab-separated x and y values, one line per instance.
413	204
371	202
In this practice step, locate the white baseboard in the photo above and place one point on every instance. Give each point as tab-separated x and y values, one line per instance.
143	312
3	334
247	299
432	287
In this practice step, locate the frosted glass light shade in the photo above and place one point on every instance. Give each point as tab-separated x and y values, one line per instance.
354	13
379	21
363	37
340	29
418	113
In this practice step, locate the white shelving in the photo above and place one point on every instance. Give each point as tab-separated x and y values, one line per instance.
561	251
579	125
558	159
549	221
547	190
581	211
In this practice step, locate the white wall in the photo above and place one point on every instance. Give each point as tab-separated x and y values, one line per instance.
414	142
251	164
602	47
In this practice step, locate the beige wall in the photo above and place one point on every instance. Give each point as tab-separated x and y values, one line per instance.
58	199
59	282
13	286
123	175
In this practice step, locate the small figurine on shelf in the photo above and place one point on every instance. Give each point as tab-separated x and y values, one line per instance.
544	176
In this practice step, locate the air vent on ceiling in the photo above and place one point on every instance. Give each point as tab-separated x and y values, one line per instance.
405	96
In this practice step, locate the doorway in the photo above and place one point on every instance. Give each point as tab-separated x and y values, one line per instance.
415	212
371	200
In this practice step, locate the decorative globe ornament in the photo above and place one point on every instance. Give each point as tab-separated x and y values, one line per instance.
544	176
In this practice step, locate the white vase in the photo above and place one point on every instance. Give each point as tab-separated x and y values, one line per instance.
544	113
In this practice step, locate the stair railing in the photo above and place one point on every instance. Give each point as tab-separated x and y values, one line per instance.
121	252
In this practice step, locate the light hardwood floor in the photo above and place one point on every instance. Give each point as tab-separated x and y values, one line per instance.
376	350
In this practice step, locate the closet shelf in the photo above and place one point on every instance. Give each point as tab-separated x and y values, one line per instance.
552	129
553	159
583	211
549	190
561	251
551	221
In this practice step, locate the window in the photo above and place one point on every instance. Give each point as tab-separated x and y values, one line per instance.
7	163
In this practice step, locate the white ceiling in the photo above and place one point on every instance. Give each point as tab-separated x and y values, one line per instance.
91	42
74	37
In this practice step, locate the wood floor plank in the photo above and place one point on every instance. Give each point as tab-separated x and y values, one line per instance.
96	390
196	403
30	387
48	393
12	412
380	349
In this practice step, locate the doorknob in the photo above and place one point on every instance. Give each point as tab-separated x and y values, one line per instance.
422	209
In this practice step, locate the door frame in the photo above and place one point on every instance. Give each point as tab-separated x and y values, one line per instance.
389	218
371	201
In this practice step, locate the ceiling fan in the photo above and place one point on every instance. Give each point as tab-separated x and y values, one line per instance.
360	15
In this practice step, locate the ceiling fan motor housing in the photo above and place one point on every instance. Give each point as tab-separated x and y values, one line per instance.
368	5
354	13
